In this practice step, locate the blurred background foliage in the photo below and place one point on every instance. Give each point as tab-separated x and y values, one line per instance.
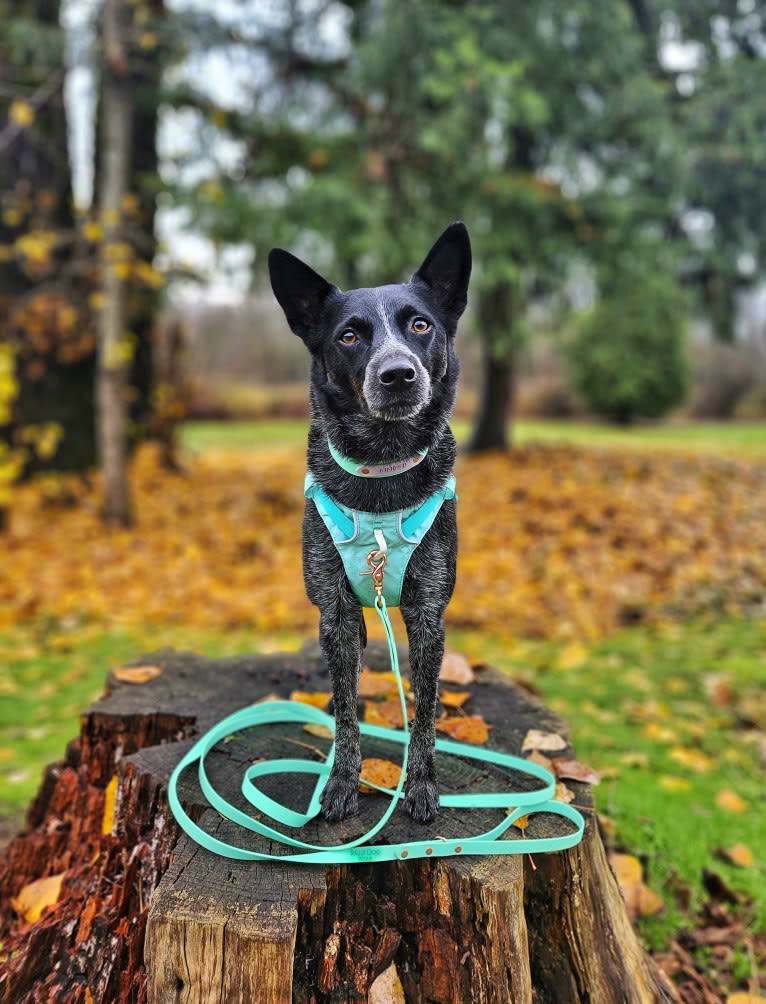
606	158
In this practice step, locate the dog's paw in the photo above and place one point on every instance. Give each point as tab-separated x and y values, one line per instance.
340	798
422	800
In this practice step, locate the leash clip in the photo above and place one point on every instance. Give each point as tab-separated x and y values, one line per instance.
376	560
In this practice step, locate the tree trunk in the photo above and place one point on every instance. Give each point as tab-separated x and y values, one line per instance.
496	322
144	915
113	351
54	361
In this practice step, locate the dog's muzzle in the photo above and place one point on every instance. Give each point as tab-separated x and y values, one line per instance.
396	385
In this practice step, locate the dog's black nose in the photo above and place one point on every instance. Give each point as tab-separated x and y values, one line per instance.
397	371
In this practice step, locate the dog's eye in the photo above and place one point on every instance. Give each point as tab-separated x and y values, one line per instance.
349	337
419	325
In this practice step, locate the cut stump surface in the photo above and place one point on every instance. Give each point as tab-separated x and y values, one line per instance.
145	915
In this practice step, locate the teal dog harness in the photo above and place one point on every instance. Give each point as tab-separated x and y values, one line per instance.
369	541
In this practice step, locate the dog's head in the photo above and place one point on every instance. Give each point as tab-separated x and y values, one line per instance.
383	350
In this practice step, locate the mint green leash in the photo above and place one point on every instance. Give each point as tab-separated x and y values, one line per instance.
359	850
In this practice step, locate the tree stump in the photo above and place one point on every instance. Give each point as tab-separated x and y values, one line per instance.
145	915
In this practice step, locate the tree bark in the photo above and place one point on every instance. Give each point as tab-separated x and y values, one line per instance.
145	916
113	352
496	322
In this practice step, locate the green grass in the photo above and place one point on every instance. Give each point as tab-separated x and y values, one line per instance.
50	675
746	439
640	710
632	701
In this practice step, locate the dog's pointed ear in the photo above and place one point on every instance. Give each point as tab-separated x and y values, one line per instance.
301	292
447	269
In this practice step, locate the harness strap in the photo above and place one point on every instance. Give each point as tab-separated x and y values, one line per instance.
355	533
490	842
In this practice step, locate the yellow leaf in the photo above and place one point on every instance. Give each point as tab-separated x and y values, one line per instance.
695	760
745	998
36	896
136	674
521	823
92	231
320	731
317	699
454	698
21	113
671	783
730	801
572	656
110	799
649	902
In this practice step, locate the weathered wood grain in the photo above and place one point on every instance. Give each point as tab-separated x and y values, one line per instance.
147	916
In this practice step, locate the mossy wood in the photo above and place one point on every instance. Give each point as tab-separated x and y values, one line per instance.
145	915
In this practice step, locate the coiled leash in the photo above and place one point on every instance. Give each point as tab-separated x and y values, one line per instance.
361	849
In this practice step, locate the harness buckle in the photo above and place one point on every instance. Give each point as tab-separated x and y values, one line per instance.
376	561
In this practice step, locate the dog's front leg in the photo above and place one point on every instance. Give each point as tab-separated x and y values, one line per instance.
425	629
340	636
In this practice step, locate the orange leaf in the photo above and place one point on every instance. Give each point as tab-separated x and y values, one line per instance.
740	855
385	713
36	896
372	684
454	698
466	729
136	674
730	801
377	771
316	698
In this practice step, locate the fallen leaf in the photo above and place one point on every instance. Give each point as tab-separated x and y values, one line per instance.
320	731
695	760
535	739
573	770
739	854
671	783
456	668
317	699
110	798
387	988
136	674
563	794
627	869
745	998
372	684
572	656
730	801
36	896
541	760
377	771
466	729
649	902
521	823
388	714
454	698
640	900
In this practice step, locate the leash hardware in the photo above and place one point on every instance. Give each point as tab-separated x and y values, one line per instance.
376	560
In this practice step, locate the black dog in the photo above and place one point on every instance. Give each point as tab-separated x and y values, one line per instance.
383	380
